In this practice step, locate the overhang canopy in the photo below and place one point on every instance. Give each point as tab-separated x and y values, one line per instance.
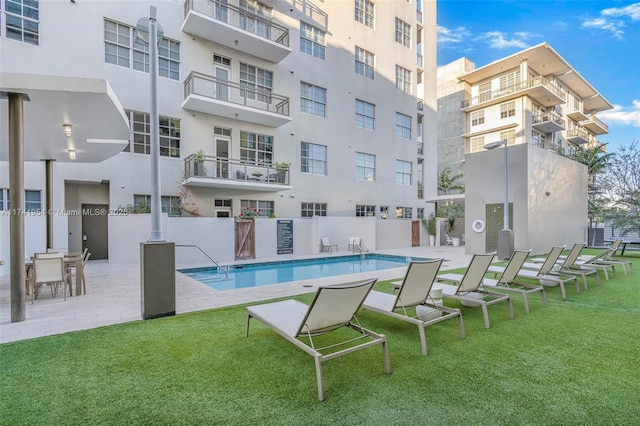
100	127
448	198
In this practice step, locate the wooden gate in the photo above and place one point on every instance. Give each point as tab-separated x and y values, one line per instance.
245	239
415	233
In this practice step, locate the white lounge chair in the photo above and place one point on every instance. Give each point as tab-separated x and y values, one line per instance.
469	290
414	291
332	308
325	245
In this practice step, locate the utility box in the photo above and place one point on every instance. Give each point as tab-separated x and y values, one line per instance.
157	279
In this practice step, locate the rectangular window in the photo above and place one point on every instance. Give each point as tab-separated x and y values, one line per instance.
420	212
313	158
404	212
256	83
22	20
256	148
313	99
537	138
509	135
365	63
313	209
403	126
365	114
3	197
32	200
365	167
509	82
403	33
508	109
170	204
384	212
312	40
476	144
265	208
168	129
363	210
365	12
122	49
403	172
484	91
477	118
258	20
403	79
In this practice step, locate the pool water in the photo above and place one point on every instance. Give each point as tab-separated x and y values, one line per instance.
259	274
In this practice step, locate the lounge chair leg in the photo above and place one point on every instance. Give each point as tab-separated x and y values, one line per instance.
319	377
461	325
525	301
598	277
423	339
510	303
385	351
544	297
563	291
485	312
246	329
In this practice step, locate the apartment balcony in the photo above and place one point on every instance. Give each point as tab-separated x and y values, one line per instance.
578	136
226	173
224	98
226	24
418	16
595	126
420	147
577	115
537	88
419	60
420	191
548	122
420	104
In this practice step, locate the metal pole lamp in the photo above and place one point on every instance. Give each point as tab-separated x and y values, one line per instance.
505	236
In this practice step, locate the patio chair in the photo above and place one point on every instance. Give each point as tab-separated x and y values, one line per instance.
332	308
469	290
77	273
544	273
569	267
414	291
448	240
48	270
325	245
608	259
507	281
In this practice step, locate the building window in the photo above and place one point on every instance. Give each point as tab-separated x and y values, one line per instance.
170	204
313	158
363	210
476	144
265	208
365	167
403	172
403	79
384	212
420	212
121	49
365	12
252	21
365	63
484	91
256	148
313	209
477	118
32	200
22	20
403	33
537	138
255	83
403	126
508	109
312	40
169	131
509	135
365	114
313	99
404	212
510	81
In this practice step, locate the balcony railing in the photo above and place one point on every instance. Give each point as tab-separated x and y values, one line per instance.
420	191
419	16
549	122
533	82
420	104
603	128
420	60
228	91
210	167
578	135
420	148
242	19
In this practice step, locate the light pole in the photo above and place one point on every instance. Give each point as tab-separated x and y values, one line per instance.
505	236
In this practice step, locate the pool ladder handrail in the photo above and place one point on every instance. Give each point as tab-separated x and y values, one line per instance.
361	247
224	268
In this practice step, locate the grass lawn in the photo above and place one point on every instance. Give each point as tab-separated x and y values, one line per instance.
573	362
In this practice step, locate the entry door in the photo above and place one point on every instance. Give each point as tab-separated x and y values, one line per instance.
415	233
95	230
221	90
222	155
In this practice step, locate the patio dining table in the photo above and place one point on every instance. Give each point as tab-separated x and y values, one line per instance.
71	260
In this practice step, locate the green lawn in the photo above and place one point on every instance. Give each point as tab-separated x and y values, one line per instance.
574	362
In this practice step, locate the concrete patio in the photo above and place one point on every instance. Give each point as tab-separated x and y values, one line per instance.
113	295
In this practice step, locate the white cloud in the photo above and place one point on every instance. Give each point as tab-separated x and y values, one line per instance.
500	40
614	19
449	35
629	116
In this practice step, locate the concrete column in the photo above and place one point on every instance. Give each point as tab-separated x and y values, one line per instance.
49	200
16	212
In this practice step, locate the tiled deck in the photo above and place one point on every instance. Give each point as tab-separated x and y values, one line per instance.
113	295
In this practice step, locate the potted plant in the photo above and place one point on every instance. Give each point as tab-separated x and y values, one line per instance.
451	229
198	163
281	170
430	225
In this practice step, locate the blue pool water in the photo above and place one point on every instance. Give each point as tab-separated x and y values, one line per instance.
259	274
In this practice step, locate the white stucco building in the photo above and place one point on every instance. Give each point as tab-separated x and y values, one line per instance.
341	91
543	108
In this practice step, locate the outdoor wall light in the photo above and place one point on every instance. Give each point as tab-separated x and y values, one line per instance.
72	154
68	130
547	193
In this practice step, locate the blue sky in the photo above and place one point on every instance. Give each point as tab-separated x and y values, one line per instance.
600	39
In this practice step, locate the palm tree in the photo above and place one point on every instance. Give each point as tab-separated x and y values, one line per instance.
447	183
595	158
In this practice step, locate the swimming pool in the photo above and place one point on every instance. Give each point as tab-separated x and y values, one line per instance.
259	274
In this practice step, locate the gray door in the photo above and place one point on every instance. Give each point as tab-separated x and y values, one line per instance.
95	230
